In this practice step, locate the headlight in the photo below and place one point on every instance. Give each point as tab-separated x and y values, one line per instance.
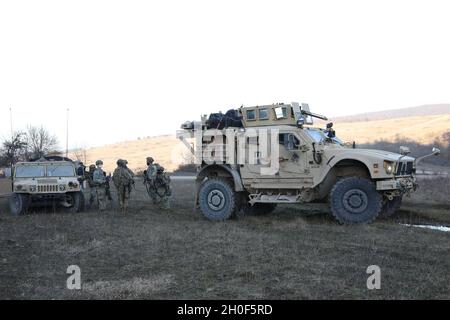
389	167
32	188
62	187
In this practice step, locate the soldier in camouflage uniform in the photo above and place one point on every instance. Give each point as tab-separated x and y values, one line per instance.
123	181
99	181
162	186
89	176
157	184
149	175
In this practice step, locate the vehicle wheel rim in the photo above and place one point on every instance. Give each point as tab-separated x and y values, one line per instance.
216	200
16	203
70	201
355	201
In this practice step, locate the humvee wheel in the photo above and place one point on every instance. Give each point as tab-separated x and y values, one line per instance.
217	199
74	202
19	203
355	200
390	207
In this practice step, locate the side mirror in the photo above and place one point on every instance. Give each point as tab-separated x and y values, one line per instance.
404	150
436	151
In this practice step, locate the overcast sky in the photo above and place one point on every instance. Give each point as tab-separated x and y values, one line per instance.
129	69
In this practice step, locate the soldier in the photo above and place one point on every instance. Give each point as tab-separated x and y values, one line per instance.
149	175
123	180
108	186
161	184
99	181
89	176
157	184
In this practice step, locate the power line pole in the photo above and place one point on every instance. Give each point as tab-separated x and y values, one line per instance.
10	121
67	134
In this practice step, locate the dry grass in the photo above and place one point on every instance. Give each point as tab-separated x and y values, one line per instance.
420	129
162	148
293	253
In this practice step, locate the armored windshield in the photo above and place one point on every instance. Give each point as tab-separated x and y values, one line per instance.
60	171
29	171
320	136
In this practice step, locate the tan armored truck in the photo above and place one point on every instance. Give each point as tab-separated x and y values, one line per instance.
253	158
43	183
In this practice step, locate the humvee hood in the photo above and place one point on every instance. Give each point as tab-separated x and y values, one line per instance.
380	154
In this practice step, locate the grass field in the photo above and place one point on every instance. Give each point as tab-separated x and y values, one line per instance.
293	253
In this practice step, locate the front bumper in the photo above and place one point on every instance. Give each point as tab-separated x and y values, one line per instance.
403	184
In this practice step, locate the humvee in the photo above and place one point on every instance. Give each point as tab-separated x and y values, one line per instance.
253	158
45	182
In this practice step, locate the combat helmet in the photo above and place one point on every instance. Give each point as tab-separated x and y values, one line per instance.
98	162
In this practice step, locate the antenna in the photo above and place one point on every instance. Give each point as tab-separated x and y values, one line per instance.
10	120
67	134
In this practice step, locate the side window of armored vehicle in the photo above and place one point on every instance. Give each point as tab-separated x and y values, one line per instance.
280	113
289	141
251	115
263	114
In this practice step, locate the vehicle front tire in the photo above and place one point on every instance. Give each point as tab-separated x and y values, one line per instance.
19	203
390	207
76	202
355	200
217	199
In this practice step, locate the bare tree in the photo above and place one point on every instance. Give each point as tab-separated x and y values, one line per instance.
14	149
80	154
40	142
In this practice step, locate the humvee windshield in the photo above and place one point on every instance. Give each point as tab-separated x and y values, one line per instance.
60	171
37	171
30	171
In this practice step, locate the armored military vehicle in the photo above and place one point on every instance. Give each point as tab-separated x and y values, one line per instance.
254	158
43	183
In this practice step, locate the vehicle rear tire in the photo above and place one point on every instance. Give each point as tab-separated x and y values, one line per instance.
217	199
76	202
355	200
19	203
390	207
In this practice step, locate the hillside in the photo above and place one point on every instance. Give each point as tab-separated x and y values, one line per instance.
168	152
423	129
160	148
425	110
